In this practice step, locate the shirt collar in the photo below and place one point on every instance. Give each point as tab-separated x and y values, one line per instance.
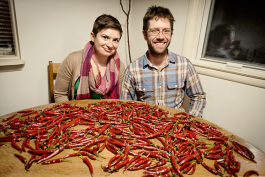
146	62
170	57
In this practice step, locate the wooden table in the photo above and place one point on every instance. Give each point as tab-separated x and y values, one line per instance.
10	166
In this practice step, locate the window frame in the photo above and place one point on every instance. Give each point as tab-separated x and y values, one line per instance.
16	59
200	11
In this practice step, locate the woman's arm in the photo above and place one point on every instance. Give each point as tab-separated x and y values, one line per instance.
122	70
63	81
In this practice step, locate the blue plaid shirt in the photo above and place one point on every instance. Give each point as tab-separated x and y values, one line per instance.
165	86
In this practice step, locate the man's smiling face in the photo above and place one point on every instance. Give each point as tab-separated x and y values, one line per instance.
158	44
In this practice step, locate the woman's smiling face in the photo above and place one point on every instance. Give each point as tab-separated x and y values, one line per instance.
106	42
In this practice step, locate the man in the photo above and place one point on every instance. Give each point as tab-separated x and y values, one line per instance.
160	76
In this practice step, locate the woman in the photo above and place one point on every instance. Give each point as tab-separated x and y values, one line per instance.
95	71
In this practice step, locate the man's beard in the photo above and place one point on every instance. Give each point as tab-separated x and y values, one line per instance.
155	52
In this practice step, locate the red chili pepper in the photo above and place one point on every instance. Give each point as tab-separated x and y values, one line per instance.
184	165
213	156
160	163
40	157
178	136
24	145
153	154
8	118
168	127
192	169
21	158
244	149
140	161
8	139
158	171
142	166
101	148
14	144
210	169
25	111
217	167
57	151
113	159
250	172
76	154
33	151
105	126
126	152
182	148
95	141
89	150
117	143
131	161
239	151
218	146
27	114
222	138
120	165
86	160
53	161
229	147
235	167
186	159
175	166
110	149
149	148
30	162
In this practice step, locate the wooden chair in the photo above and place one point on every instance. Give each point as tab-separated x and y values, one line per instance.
53	70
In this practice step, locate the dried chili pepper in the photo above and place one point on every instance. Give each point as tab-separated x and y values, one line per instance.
30	162
131	161
53	161
160	163
8	118
15	145
158	171
21	158
175	166
210	169
190	169
86	160
250	172
120	165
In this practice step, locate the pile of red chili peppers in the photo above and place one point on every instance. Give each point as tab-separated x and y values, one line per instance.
128	130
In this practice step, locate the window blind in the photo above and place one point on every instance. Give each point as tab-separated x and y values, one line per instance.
7	46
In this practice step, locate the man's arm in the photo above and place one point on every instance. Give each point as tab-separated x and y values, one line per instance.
195	91
127	87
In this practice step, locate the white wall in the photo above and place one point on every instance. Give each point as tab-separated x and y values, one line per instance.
51	29
236	107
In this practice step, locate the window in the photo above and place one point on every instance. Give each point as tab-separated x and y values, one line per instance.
236	32
244	66
9	46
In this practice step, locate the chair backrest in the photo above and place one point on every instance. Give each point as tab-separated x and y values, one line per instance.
53	70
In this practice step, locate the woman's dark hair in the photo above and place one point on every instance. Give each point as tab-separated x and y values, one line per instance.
157	12
106	21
